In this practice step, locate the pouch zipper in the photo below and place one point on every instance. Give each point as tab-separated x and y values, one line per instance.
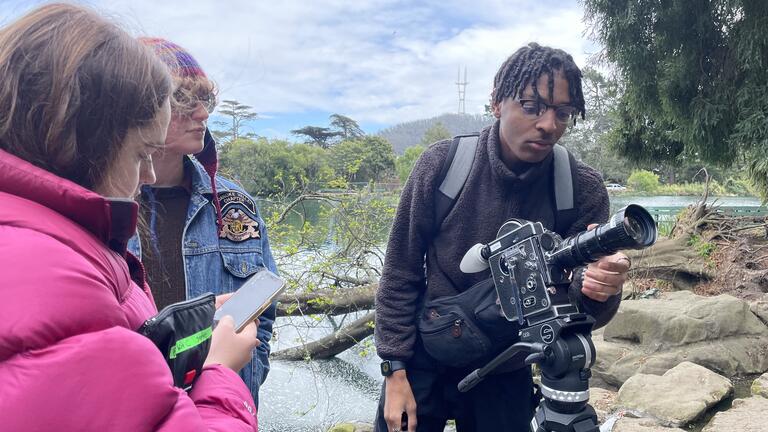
168	310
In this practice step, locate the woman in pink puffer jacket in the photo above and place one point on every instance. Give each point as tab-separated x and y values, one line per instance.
83	106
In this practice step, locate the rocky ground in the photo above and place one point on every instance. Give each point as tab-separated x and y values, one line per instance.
675	356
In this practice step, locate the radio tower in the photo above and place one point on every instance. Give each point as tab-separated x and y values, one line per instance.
462	85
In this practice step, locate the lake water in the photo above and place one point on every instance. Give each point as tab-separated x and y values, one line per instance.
618	201
312	396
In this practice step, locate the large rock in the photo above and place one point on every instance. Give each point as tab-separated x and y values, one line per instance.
759	307
678	397
603	401
760	386
652	336
628	424
745	415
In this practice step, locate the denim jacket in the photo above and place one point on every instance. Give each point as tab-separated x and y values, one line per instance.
219	265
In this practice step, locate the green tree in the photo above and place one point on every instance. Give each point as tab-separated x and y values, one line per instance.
404	164
238	114
696	79
347	128
370	158
437	132
275	167
588	140
319	136
643	181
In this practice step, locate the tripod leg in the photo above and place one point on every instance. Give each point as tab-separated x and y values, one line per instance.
548	420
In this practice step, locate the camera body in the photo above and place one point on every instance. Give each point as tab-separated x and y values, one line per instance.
530	285
532	266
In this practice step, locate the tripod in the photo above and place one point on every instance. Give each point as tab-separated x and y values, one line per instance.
564	350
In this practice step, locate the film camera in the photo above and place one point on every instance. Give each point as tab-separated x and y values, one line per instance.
531	269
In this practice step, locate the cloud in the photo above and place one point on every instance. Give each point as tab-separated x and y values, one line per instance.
377	61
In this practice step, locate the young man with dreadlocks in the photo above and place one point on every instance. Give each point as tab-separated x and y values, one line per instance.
536	95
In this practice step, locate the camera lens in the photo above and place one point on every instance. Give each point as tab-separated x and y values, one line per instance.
634	229
630	228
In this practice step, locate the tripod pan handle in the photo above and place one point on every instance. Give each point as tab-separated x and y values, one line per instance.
470	381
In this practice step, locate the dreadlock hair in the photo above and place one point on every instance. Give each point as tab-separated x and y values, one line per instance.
527	64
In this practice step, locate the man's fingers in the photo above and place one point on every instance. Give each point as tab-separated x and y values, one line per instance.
604	278
411	411
595	295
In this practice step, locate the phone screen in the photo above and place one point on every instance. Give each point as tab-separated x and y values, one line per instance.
248	302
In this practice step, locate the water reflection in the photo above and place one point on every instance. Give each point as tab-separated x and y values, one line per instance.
313	396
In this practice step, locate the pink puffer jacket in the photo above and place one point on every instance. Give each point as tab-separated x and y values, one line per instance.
70	359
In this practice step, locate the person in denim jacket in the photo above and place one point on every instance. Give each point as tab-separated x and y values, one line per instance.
203	233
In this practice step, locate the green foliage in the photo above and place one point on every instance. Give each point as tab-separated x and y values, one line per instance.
325	243
316	135
643	181
268	167
695	76
703	248
436	133
739	186
404	164
589	140
362	160
346	127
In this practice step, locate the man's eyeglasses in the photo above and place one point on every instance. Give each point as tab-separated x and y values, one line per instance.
186	102
535	108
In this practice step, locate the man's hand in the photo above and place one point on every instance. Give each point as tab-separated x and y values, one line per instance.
398	399
604	278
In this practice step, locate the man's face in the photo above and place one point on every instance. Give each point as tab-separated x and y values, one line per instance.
530	138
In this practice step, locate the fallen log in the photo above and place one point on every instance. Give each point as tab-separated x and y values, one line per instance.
336	302
338	342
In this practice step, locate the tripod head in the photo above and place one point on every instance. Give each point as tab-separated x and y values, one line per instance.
563	349
531	269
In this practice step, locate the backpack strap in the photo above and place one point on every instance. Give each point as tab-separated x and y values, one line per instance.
458	163
564	185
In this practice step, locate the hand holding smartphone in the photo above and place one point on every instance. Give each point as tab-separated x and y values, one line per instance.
252	299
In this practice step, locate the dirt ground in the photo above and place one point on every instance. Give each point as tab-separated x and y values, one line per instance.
742	268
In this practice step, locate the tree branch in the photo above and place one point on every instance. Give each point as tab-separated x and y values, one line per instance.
336	343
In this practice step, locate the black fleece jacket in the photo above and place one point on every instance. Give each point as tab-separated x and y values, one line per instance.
492	194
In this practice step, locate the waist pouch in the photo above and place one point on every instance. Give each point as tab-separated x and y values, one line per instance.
182	331
466	329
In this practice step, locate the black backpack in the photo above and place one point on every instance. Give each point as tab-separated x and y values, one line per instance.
456	169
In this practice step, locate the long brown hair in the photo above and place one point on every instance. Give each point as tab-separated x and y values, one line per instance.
71	86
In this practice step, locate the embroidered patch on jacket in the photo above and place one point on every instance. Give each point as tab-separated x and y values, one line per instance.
238	217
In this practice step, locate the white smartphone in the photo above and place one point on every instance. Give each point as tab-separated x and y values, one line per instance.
251	299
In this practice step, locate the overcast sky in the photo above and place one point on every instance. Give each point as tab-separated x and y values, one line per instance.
378	62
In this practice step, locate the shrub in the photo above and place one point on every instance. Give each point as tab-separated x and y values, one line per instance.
643	181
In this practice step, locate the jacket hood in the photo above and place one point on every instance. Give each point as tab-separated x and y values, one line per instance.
113	221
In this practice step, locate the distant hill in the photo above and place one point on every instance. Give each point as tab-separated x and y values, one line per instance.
408	134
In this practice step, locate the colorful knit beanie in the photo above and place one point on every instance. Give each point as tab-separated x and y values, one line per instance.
181	64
